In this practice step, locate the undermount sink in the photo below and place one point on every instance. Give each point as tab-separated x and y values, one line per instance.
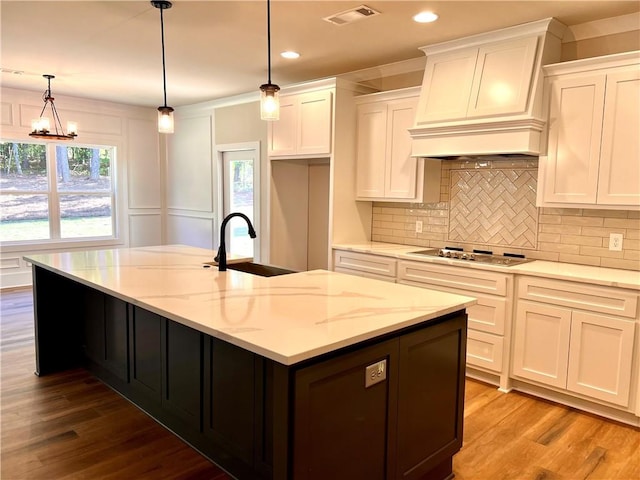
255	268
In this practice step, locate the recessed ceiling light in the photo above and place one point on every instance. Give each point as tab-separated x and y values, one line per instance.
425	17
290	54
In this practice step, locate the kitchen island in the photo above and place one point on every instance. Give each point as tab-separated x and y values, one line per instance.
310	375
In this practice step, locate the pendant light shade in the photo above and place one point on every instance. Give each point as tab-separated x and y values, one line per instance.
165	119
269	96
41	127
269	102
165	113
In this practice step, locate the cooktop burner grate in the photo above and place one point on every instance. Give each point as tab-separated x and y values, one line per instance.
477	256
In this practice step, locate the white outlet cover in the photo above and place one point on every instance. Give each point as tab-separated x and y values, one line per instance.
615	242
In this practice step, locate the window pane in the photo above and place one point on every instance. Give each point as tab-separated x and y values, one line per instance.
23	217
85	216
240	185
23	167
83	169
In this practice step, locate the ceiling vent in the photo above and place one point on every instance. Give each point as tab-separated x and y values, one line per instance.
350	16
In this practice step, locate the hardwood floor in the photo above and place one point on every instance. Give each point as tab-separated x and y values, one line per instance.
71	426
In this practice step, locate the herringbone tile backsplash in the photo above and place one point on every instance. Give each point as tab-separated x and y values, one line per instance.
494	207
490	205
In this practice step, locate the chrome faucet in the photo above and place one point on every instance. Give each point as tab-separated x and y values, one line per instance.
221	258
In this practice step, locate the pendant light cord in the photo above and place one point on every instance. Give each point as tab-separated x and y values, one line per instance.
269	38
164	75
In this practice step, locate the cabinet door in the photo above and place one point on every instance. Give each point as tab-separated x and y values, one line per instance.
335	411
619	179
448	78
314	123
372	140
503	78
432	376
575	126
541	343
401	168
282	133
600	357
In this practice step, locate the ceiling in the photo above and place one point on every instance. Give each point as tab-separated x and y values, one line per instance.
110	50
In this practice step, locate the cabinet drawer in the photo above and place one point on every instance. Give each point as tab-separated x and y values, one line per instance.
359	273
454	277
384	266
585	297
488	315
484	350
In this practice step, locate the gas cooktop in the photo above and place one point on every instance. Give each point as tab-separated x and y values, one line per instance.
477	256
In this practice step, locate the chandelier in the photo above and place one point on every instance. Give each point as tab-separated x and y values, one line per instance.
41	127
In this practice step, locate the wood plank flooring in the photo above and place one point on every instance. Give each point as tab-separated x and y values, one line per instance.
71	426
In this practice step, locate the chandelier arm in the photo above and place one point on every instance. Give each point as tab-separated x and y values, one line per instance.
43	108
56	120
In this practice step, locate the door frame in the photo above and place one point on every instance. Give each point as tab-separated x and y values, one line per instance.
219	151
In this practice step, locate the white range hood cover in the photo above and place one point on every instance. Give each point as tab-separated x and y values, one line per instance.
455	114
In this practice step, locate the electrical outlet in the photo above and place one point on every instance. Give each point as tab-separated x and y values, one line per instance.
418	226
615	242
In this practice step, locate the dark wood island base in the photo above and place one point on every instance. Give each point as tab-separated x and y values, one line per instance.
257	418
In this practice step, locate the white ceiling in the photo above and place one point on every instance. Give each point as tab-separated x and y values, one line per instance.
110	50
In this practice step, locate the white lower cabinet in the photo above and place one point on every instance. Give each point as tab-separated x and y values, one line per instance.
488	320
575	337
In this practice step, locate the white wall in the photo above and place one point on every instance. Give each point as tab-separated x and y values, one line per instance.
138	174
193	203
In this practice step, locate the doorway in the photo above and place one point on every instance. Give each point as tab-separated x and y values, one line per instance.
239	182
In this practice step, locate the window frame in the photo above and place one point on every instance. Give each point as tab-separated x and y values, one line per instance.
53	195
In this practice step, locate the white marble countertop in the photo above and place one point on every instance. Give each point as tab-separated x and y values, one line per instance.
610	277
288	318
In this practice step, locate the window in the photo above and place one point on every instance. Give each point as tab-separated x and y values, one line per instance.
52	191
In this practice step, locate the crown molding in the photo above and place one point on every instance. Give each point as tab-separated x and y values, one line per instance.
603	27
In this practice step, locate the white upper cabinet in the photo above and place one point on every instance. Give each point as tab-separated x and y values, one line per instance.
305	125
493	79
385	168
593	154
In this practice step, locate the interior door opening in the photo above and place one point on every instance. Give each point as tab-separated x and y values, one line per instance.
239	194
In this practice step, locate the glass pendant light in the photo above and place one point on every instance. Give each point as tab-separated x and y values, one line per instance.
165	113
269	96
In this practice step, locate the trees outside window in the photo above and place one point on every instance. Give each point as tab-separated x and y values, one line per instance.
56	191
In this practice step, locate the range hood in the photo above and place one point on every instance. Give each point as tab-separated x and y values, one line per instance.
482	95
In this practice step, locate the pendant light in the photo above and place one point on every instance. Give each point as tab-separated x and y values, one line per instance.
165	113
269	97
41	127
